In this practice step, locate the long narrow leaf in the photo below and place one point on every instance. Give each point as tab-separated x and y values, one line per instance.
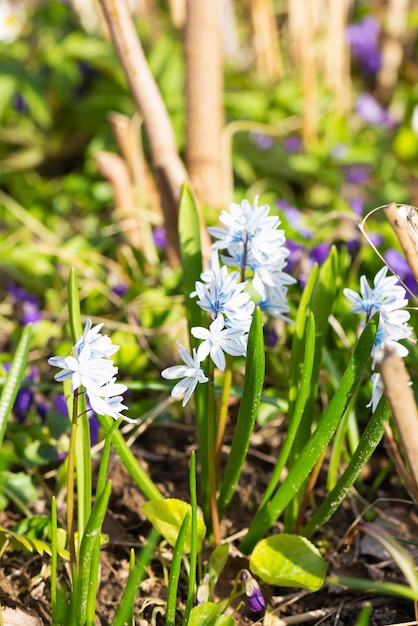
302	397
253	384
83	452
317	442
370	439
88	546
193	549
191	258
14	379
125	609
175	572
138	474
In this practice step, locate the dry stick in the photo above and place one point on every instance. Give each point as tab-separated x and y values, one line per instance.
265	39
127	134
169	168
113	168
404	221
309	78
204	100
395	26
336	57
400	396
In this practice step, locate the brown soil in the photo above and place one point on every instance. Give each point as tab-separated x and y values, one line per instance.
165	450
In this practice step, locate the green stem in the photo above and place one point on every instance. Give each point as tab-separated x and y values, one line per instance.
211	435
223	412
70	483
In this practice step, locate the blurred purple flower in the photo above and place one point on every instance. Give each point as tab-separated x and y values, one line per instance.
369	109
19	103
357	204
60	405
270	337
25	396
295	218
120	289
400	266
94	429
363	39
263	142
293	143
356	173
26	305
319	253
160	237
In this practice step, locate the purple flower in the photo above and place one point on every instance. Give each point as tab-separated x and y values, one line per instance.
357	204
253	592
120	289
160	237
263	142
293	143
294	218
356	173
319	253
372	112
400	266
363	39
26	305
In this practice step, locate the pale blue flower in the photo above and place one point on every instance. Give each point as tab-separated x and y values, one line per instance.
217	340
107	400
100	345
191	374
83	369
385	292
377	391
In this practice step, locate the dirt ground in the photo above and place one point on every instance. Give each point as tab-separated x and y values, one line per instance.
165	451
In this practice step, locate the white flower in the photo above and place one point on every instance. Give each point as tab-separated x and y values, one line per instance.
107	400
12	20
377	391
191	373
385	292
100	345
83	369
217	340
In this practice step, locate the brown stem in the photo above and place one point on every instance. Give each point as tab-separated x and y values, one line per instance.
169	169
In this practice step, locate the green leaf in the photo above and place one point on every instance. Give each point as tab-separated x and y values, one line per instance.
191	255
208	614
288	561
167	517
173	581
317	442
217	562
250	401
27	544
14	378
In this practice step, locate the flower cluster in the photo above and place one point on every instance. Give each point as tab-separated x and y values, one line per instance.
388	299
91	367
254	245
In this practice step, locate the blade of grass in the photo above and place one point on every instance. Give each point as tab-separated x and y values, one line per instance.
124	613
191	259
253	385
83	452
138	474
100	487
14	379
54	559
360	584
317	442
170	618
87	548
369	440
193	549
302	397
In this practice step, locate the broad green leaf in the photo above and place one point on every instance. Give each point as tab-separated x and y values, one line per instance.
207	614
288	561
167	517
250	401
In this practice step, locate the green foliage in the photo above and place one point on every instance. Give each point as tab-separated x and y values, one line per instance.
167	517
288	561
